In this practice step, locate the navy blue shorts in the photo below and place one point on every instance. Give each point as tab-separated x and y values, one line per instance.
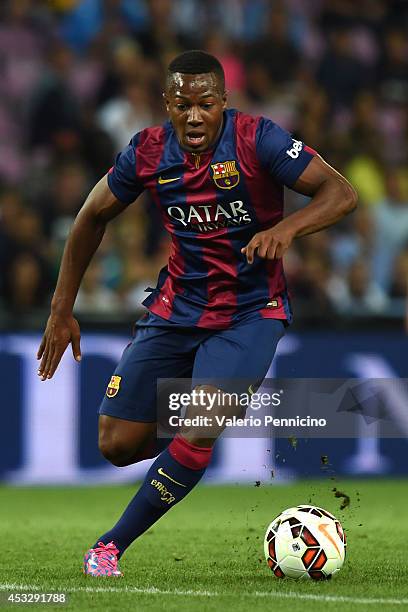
163	350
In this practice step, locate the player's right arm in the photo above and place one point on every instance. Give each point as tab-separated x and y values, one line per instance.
85	236
114	192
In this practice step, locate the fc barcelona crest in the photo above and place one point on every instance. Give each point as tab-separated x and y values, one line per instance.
225	174
113	386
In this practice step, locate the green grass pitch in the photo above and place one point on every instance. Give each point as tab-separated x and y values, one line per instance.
207	553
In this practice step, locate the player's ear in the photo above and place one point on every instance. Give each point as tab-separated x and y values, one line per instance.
224	100
166	101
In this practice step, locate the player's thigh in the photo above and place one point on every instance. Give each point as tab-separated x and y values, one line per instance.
155	353
230	361
242	353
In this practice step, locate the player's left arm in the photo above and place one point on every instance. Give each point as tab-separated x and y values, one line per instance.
300	168
332	198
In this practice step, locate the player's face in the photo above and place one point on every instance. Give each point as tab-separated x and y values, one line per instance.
195	106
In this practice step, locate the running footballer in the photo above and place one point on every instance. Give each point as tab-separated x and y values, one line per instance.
221	304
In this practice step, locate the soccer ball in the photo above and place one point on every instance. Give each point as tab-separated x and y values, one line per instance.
305	542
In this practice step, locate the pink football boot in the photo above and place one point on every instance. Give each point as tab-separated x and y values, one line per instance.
102	561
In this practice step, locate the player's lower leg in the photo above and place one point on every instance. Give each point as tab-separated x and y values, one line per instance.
172	476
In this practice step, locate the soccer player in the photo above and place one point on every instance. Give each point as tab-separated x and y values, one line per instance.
221	304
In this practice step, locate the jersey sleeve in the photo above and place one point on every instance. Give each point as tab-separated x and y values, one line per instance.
122	177
283	156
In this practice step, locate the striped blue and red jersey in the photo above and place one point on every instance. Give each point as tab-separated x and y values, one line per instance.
212	204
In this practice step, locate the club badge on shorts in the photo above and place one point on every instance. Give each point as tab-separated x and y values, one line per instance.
225	175
113	386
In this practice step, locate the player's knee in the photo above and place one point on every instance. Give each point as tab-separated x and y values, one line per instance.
123	442
112	452
115	451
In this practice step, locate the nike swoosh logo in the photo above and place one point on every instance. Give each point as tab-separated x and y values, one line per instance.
160	471
323	529
163	181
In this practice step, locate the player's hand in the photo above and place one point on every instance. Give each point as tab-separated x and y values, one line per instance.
60	331
269	244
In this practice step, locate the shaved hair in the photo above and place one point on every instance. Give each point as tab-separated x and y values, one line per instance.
196	62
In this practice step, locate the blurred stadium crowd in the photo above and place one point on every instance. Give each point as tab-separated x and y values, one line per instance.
79	77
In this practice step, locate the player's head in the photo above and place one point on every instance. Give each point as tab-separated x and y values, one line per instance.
195	99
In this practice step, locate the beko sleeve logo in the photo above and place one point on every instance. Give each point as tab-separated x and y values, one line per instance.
296	149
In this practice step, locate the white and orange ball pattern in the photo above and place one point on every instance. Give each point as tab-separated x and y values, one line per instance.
305	542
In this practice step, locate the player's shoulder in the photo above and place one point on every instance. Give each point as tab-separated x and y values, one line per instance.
252	126
151	137
244	121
